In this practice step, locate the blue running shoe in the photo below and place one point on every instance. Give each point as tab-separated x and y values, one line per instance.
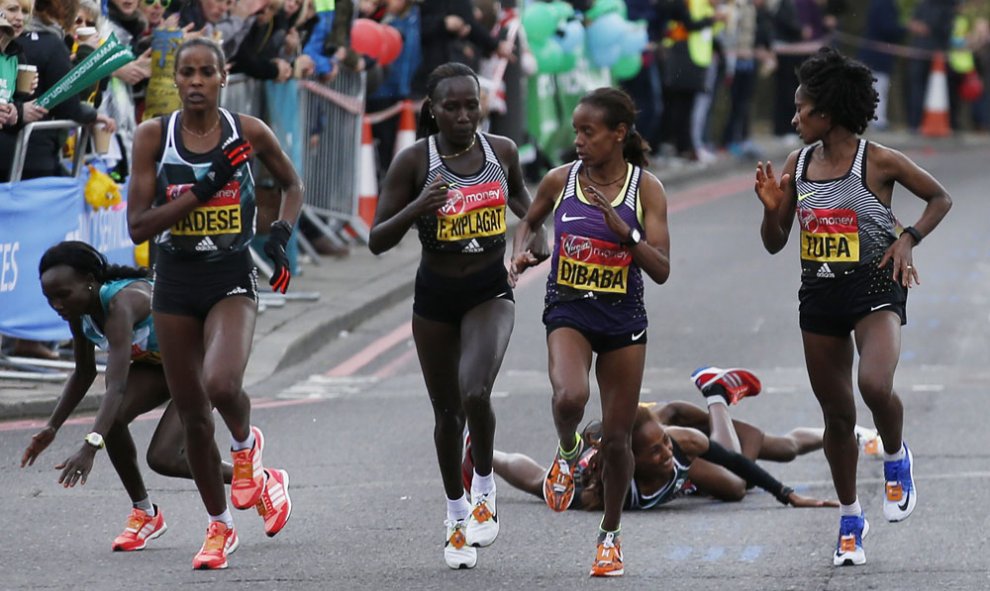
849	548
900	495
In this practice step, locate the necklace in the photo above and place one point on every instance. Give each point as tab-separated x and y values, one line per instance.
461	153
203	134
587	173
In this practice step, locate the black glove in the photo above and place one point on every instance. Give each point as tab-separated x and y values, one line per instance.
278	237
235	152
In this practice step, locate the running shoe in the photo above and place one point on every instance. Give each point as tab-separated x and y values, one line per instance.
275	506
608	560
220	541
558	486
482	523
869	441
467	464
849	548
249	475
140	528
900	494
737	382
456	551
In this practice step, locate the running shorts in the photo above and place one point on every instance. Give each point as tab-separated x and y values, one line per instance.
832	308
448	299
192	288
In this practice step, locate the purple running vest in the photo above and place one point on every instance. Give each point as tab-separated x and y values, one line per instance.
594	283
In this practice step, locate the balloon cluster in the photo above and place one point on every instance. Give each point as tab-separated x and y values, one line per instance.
557	36
381	43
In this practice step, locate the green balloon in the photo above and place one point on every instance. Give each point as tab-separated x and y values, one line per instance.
603	7
550	58
540	22
563	10
628	66
569	62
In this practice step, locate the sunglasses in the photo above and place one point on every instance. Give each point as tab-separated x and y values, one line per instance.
80	21
162	3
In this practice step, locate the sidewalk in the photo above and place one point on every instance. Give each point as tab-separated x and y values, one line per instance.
354	288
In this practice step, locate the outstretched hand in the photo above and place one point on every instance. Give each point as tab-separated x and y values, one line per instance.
76	469
772	193
803	502
41	440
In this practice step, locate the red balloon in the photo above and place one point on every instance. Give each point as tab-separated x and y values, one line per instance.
391	45
971	88
366	37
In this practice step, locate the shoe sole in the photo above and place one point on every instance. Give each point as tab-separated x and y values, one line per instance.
144	543
914	494
259	439
288	502
485	543
613	573
755	385
234	546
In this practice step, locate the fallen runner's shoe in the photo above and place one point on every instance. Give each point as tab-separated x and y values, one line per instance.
248	481
220	541
140	528
868	441
467	464
738	383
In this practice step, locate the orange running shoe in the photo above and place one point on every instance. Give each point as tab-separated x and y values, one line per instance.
140	528
220	541
608	560
249	475
275	506
558	486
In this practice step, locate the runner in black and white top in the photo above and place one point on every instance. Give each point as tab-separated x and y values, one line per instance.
454	185
192	191
856	269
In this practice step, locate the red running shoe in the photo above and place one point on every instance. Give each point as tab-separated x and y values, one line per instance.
275	505
220	541
249	475
737	382
140	528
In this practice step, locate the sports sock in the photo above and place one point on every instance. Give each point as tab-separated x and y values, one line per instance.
895	457
853	509
715	393
602	531
483	485
458	509
573	452
225	517
246	444
146	506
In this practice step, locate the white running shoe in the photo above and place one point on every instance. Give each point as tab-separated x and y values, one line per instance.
482	523
849	548
456	551
900	495
869	441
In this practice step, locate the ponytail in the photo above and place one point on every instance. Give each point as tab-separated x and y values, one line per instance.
427	125
635	148
88	261
618	108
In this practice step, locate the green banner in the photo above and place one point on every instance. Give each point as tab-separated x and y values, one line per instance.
101	63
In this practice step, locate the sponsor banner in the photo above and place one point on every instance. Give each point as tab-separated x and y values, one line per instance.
476	211
593	265
35	215
829	235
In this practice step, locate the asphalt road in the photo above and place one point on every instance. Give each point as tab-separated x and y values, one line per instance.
353	428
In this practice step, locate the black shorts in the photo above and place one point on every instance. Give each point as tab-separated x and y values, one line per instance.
448	299
833	307
600	342
192	288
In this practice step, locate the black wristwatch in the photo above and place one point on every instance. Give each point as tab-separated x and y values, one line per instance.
634	237
913	233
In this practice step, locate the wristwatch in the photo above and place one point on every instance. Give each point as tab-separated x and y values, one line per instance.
634	238
94	439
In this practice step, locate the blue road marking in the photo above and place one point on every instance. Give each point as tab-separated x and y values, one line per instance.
714	553
750	553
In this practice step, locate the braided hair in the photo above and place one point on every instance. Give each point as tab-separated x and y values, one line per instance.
427	125
86	260
617	107
841	88
593	491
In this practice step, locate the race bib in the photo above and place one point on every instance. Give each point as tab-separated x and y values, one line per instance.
220	215
593	265
829	235
472	212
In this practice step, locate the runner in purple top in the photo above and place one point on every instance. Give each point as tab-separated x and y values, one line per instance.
610	220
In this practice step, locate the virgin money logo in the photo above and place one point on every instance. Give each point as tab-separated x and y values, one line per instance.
808	219
577	248
455	203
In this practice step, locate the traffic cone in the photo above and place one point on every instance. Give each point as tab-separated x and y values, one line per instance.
407	127
935	122
368	181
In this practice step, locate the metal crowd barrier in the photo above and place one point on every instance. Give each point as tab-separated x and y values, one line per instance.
20	151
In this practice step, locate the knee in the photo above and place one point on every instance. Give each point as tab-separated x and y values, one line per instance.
198	426
569	403
476	398
839	422
222	388
875	388
733	492
165	461
448	418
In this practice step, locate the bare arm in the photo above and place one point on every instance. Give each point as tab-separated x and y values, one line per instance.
268	150
779	203
397	208
532	223
653	253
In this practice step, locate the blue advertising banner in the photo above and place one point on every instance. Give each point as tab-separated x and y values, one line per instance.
34	215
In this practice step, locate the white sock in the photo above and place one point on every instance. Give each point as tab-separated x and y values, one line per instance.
146	506
246	444
895	457
458	509
717	399
225	517
482	485
853	509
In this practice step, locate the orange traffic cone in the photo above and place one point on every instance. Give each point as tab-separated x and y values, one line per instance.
368	181
407	127
935	122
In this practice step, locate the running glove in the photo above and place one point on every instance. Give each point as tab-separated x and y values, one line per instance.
234	152
278	237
